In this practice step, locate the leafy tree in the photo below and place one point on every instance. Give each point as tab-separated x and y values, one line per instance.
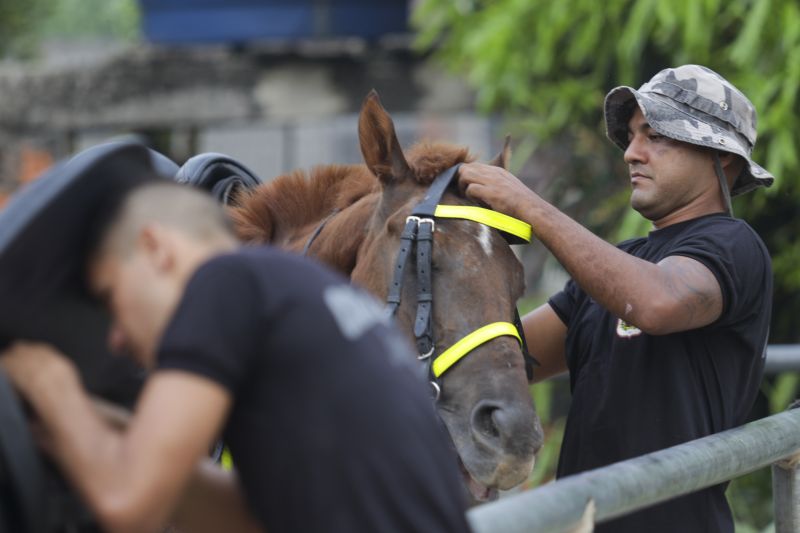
118	19
19	22
25	23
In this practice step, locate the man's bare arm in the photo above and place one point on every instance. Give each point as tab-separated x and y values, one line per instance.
546	333
132	480
677	294
213	502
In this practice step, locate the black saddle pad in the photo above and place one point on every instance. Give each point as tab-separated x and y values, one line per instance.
44	233
222	176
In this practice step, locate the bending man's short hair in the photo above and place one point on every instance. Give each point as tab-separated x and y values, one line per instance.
189	210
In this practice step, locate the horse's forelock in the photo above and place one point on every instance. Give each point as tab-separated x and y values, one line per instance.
299	198
427	160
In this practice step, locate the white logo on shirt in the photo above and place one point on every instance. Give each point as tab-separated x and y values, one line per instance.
626	331
354	311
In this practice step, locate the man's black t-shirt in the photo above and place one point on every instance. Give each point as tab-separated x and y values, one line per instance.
634	393
332	427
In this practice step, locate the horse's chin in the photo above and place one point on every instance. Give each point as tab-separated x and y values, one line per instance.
478	492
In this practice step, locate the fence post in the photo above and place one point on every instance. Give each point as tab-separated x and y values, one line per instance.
786	494
786	490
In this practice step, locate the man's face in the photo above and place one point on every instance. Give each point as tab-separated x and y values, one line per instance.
666	175
129	286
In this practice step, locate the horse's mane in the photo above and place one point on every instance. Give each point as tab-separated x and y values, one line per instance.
299	199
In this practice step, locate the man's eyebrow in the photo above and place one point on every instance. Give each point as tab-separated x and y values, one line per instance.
643	127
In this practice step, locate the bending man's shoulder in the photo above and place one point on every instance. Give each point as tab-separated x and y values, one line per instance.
266	257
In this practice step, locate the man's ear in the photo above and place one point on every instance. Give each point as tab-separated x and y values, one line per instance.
732	164
728	158
156	244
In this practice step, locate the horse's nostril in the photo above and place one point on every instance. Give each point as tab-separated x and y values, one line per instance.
504	428
487	419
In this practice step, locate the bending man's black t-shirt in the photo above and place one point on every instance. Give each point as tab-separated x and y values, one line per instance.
634	393
332	427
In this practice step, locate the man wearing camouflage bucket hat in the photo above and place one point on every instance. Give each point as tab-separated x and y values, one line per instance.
664	336
695	105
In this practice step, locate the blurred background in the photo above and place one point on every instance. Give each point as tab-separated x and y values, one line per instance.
278	85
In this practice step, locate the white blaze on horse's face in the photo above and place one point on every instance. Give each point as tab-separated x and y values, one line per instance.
485	239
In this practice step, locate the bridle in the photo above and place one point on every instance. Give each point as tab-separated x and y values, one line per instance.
418	234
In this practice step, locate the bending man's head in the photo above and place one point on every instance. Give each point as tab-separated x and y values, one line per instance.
147	247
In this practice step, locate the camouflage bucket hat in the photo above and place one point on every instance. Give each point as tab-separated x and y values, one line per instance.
693	104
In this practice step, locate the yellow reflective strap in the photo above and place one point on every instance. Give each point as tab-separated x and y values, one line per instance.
496	220
226	461
454	353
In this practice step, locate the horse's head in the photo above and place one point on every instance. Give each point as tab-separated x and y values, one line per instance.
476	280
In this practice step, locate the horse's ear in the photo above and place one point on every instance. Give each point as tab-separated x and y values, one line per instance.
504	157
379	144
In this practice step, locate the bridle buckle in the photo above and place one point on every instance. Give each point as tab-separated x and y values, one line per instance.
422	220
422	357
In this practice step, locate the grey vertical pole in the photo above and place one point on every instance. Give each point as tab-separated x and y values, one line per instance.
786	494
786	489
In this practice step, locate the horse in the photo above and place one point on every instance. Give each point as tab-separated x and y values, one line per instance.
351	217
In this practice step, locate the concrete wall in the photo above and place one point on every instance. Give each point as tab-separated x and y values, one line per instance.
274	109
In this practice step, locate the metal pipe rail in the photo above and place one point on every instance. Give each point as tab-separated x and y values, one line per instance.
636	483
782	358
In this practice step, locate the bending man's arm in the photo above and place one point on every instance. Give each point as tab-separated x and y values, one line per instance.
676	294
131	479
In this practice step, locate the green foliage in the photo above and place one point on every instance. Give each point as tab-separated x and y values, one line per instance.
19	22
545	396
70	19
25	23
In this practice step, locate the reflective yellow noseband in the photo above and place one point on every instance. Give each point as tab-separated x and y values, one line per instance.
480	336
509	225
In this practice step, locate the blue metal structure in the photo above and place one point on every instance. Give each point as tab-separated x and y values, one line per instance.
246	21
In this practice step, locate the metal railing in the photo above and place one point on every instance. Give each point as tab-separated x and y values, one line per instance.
782	358
629	485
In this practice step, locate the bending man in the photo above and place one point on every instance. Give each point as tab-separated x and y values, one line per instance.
320	402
